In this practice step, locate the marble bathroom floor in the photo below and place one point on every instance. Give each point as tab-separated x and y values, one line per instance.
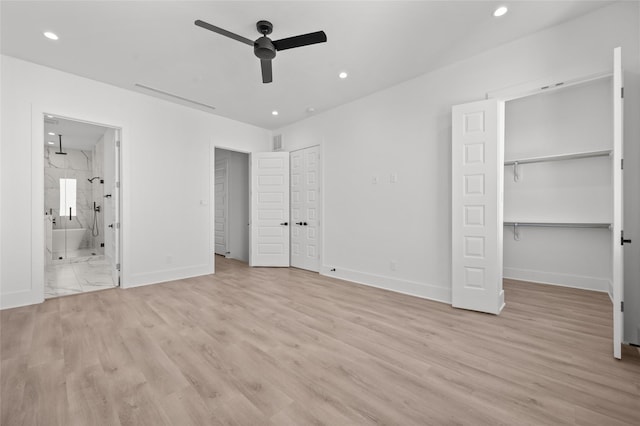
79	255
77	277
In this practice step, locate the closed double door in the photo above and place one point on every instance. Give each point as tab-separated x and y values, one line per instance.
285	209
305	189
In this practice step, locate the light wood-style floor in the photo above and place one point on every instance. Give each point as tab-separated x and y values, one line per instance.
288	347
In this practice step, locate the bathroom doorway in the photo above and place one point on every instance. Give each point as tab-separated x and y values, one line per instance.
81	199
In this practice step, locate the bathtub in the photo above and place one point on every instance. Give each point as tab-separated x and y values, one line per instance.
74	238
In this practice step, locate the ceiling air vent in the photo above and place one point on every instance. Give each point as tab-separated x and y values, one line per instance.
277	143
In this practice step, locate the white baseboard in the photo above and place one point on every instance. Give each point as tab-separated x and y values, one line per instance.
411	288
563	280
21	298
164	275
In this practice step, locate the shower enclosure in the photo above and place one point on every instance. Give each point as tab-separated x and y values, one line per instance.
73	200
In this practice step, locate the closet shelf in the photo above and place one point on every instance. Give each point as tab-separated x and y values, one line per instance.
560	157
560	224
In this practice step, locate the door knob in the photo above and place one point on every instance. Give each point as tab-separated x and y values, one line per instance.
298	223
285	223
111	226
304	223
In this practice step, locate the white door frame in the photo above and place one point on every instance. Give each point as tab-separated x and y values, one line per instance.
38	114
212	194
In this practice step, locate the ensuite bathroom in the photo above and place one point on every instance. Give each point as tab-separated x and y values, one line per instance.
80	207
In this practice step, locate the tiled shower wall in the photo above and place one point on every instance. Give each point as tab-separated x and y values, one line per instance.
98	192
77	164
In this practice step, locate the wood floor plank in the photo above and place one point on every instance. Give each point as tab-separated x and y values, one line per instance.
280	346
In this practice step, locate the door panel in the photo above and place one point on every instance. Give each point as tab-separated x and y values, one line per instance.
477	181
305	187
617	225
269	209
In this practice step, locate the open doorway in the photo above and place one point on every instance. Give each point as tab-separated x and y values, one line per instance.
81	187
558	195
231	230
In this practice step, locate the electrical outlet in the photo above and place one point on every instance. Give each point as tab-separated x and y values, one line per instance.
393	265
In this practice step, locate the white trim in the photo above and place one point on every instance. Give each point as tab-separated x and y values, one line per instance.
411	288
166	275
554	278
549	84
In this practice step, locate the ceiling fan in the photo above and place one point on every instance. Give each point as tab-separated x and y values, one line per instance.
264	48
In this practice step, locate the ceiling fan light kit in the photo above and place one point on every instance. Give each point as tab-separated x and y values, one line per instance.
264	48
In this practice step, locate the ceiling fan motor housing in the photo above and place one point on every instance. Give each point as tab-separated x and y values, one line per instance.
264	48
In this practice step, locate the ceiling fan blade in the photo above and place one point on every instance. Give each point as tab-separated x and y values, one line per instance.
223	32
267	75
301	40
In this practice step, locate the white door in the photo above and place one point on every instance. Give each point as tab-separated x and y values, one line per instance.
221	206
477	185
111	206
269	245
305	192
617	230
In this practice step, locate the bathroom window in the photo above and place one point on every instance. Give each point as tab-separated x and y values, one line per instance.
67	197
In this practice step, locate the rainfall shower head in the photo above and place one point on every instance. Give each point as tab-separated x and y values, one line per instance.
93	178
60	152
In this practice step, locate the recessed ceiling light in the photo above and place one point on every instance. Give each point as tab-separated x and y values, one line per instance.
343	75
274	112
500	11
52	134
50	35
50	143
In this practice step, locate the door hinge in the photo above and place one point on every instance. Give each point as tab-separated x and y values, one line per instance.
118	225
117	144
624	241
622	92
622	306
622	163
117	184
117	266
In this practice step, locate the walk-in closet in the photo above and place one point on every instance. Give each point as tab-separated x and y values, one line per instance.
537	190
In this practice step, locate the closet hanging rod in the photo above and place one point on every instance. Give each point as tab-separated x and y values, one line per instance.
560	224
560	157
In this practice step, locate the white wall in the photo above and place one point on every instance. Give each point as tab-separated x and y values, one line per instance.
406	130
568	120
166	183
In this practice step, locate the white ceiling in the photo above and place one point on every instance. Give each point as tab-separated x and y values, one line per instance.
156	44
75	134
